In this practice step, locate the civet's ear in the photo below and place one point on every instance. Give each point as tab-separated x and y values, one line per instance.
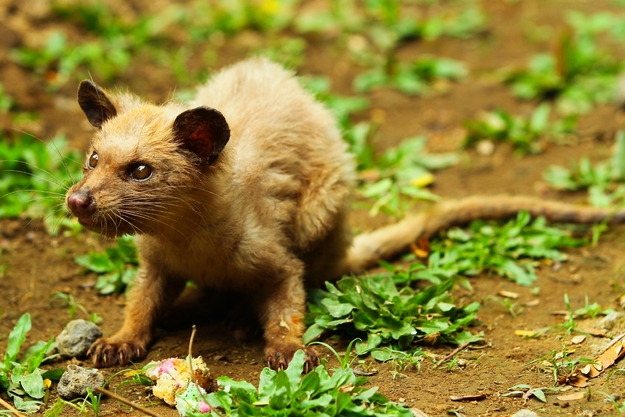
202	130
94	102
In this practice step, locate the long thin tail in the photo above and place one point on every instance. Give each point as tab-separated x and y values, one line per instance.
387	242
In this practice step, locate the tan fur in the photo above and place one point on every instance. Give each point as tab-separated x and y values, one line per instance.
270	215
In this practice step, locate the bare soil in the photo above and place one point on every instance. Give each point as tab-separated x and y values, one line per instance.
39	265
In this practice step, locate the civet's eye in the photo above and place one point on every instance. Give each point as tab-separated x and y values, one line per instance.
141	172
93	160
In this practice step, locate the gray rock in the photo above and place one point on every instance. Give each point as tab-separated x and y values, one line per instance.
76	380
525	413
609	321
76	338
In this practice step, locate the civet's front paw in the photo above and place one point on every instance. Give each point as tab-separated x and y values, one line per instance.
105	352
279	357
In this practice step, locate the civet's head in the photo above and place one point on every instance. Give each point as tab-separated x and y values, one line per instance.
144	163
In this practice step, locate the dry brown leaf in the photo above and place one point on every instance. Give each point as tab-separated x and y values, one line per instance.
419	253
418	413
572	397
613	352
509	294
475	397
575	380
564	313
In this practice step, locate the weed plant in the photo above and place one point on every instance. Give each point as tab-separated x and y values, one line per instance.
604	181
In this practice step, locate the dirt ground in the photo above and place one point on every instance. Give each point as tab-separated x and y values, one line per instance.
39	265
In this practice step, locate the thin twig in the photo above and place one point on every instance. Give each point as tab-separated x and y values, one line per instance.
453	352
11	408
193	378
126	401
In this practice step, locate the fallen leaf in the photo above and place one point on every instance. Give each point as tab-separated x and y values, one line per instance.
525	333
564	313
613	352
572	397
475	397
419	253
509	294
578	380
361	372
576	340
418	413
132	372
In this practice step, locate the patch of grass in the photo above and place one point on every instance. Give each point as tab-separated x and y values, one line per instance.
387	24
20	376
514	308
70	303
559	363
288	392
604	181
524	134
35	176
205	19
397	179
116	266
577	76
508	250
385	313
83	405
109	45
526	391
6	101
415	78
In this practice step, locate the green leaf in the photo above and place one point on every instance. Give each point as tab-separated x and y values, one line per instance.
17	337
53	374
540	118
33	384
56	409
295	369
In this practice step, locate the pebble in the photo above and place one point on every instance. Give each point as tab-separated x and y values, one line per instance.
76	380
609	321
76	338
525	413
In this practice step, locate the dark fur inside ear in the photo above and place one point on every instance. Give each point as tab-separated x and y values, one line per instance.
202	130
94	102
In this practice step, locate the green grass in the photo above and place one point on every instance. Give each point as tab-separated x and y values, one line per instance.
321	392
383	313
116	266
20	375
526	135
35	176
509	250
578	76
604	181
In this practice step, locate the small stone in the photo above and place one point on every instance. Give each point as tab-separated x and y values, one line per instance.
77	337
525	413
609	321
485	147
76	380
